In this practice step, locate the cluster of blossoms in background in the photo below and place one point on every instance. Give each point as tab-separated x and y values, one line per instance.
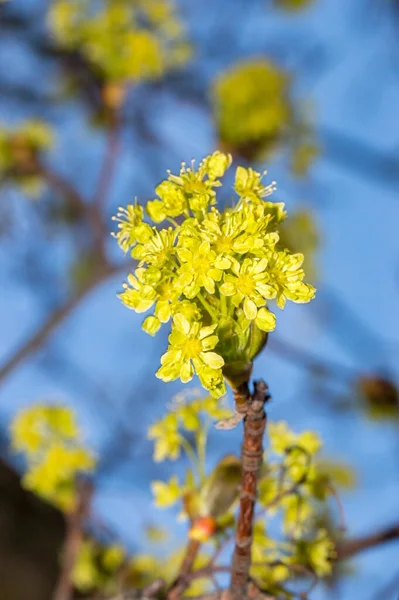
49	437
255	115
251	102
20	149
212	272
294	488
123	41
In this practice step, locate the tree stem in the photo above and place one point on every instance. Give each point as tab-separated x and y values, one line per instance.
182	582
251	456
75	521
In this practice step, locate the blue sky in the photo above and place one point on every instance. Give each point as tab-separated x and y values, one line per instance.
345	61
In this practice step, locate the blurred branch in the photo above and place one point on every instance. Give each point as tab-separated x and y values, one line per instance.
357	155
34	342
151	591
75	522
66	189
101	193
310	361
349	548
183	580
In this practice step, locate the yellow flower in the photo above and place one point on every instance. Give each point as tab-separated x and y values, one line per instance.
249	284
132	230
201	267
213	268
286	276
248	184
167	438
150	36
49	436
190	351
166	494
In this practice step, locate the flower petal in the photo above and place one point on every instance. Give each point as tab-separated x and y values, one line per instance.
205	331
250	309
181	323
222	263
261	266
213	360
265	320
186	372
227	288
151	325
163	310
210	342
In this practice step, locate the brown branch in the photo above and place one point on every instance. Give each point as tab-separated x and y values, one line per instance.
34	342
75	522
71	195
349	548
183	581
310	361
251	455
104	182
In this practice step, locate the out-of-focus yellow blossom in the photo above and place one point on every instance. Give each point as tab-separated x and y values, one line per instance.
213	272
188	412
125	42
143	566
49	437
166	494
96	566
251	104
20	149
300	233
292	486
255	115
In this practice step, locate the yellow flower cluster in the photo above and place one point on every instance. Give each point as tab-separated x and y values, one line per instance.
206	499
123	41
294	488
251	104
302	487
20	148
186	413
212	272
97	566
49	437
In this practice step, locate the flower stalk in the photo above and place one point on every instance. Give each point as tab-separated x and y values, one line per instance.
251	456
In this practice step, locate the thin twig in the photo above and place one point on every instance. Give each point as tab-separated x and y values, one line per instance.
334	492
105	178
251	456
350	547
70	194
75	522
35	341
309	361
183	580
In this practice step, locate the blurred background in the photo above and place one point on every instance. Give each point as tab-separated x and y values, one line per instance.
95	105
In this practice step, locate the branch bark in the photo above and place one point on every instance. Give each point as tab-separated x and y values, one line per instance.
75	522
251	455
